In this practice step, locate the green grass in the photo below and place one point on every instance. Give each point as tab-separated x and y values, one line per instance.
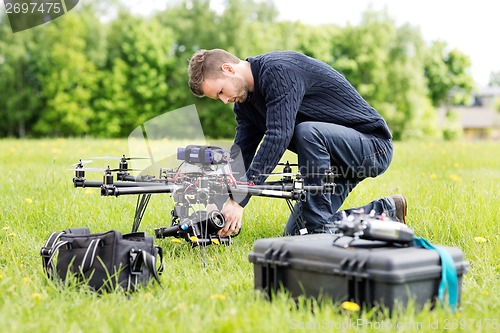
452	188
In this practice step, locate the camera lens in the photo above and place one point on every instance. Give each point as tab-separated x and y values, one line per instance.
216	220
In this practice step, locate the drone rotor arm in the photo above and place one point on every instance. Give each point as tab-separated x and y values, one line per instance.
134	190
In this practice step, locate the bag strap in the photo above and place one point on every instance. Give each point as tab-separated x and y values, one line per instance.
49	250
140	258
159	250
89	257
449	279
53	244
53	238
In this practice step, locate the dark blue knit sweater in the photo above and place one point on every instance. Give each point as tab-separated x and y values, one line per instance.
290	88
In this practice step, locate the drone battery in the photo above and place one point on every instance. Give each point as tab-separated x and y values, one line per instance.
367	272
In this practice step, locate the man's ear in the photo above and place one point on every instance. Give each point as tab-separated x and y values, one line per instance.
228	68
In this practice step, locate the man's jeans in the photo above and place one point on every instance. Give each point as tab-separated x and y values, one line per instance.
352	156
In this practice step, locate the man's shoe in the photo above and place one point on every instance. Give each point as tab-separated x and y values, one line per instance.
401	207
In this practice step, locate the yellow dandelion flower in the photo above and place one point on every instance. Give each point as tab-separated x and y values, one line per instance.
176	240
26	280
486	292
36	296
216	242
12	234
28	200
5	228
218	297
480	240
88	190
193	238
1	277
456	178
456	165
433	176
350	306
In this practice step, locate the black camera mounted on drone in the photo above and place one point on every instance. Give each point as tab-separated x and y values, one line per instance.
203	177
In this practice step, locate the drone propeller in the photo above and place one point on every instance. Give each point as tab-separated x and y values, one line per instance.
288	164
103	170
123	158
82	163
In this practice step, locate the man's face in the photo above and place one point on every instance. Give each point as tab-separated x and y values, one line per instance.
229	89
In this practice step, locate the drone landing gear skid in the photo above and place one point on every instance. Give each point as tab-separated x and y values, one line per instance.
140	209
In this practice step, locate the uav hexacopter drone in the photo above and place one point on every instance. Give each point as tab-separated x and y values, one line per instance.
203	177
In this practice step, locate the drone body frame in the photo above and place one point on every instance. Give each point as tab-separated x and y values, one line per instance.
203	177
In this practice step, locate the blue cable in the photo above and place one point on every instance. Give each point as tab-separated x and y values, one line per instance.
449	278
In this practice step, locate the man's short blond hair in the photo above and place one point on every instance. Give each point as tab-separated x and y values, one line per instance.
207	64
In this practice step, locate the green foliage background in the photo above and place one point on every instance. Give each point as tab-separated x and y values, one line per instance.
101	71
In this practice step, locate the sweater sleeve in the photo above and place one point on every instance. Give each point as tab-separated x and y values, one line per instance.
247	137
283	90
246	141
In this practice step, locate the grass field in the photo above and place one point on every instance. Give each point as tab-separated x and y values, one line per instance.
453	192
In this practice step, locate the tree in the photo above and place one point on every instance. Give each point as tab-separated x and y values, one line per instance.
317	41
19	89
77	76
448	75
243	28
413	115
384	63
134	84
66	76
195	26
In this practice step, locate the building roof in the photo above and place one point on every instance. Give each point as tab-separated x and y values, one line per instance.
474	117
489	91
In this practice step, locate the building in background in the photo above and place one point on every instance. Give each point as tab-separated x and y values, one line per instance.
481	120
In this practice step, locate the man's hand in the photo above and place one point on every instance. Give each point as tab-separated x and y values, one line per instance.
233	214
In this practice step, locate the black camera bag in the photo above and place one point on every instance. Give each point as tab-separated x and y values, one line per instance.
104	261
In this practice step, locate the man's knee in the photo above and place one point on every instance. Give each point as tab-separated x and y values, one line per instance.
306	131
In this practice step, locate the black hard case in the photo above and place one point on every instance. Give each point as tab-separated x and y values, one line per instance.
367	272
